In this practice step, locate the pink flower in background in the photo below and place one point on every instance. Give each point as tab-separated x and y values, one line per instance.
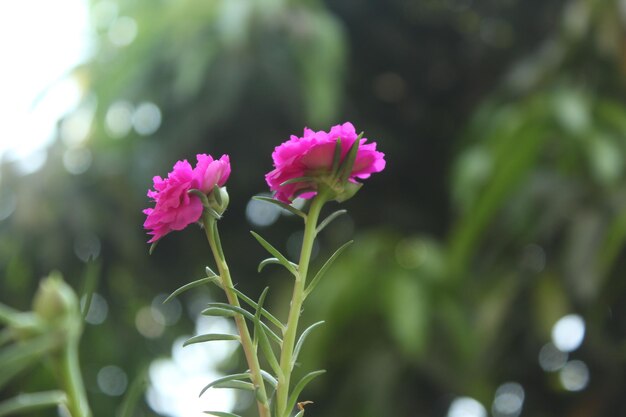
312	156
174	207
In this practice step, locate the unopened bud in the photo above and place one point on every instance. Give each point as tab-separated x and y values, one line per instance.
219	199
55	300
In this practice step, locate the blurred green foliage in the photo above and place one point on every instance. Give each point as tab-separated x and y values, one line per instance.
502	208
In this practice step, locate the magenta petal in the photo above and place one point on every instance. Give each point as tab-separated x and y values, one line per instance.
174	208
312	155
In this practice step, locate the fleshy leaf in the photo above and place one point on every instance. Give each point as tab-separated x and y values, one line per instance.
247	386
24	403
226	378
257	315
191	285
209	338
218	312
272	250
325	267
264	312
209	272
268	261
260	332
247	315
17	357
329	219
203	198
282	205
269	378
293	398
301	340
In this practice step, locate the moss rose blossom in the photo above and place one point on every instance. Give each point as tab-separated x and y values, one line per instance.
174	207
312	156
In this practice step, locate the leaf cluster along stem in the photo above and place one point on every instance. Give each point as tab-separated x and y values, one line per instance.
286	357
210	227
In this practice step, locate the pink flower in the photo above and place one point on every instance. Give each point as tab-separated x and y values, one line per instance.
312	156
175	208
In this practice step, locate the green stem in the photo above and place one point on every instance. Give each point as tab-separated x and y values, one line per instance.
310	225
210	227
73	380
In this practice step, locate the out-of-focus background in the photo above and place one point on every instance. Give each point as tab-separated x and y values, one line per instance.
487	277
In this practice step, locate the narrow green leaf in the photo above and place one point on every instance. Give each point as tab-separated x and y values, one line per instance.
293	398
8	315
247	386
300	413
267	348
17	357
272	250
203	197
191	285
329	219
297	180
325	267
218	312
257	315
336	156
233	377
221	414
269	378
266	262
301	340
24	403
153	247
247	315
348	163
209	338
282	205
210	273
6	335
264	312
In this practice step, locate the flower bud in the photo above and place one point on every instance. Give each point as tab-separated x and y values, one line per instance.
55	300
219	199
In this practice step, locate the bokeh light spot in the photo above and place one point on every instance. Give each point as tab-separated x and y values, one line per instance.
262	214
118	119
294	245
87	247
551	359
112	380
169	312
146	323
98	309
123	31
466	407
390	87
574	376
508	400
147	118
77	160
568	333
